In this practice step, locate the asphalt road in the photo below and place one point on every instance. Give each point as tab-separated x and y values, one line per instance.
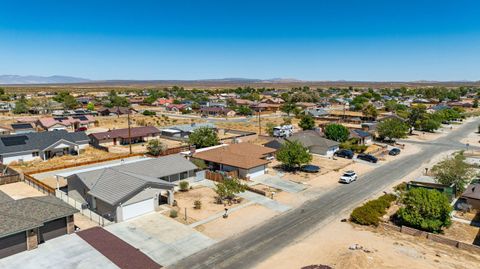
255	245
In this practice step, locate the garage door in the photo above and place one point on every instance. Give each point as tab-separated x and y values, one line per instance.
257	171
52	229
13	244
137	209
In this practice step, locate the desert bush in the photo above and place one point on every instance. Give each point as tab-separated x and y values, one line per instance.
173	213
197	204
183	185
371	212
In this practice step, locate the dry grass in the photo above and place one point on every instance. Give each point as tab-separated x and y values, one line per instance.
90	154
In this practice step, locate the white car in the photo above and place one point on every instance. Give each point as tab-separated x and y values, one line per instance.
348	177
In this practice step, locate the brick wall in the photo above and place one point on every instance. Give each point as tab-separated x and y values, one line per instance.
443	240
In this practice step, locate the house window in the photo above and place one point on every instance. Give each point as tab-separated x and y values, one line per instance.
183	175
35	154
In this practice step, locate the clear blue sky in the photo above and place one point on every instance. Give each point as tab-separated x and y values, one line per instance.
311	40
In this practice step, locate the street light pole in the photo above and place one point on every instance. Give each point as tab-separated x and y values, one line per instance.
129	131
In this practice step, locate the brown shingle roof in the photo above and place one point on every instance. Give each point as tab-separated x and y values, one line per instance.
123	133
243	155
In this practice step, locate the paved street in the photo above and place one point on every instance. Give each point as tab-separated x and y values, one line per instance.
255	245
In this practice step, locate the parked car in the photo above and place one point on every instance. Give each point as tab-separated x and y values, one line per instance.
394	152
348	177
367	157
309	168
344	153
81	129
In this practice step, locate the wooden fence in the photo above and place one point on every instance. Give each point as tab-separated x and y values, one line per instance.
176	150
433	237
219	177
11	176
44	188
83	163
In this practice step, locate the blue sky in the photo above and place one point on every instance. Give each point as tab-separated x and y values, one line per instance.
309	40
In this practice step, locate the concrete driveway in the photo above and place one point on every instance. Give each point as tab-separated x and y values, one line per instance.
279	183
69	251
164	240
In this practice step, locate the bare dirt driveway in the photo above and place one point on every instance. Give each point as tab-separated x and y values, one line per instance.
248	249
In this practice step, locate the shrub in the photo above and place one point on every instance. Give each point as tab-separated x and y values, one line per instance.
183	185
173	213
149	113
371	212
197	204
424	209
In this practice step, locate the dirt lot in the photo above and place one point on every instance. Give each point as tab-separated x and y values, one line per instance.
90	154
381	249
236	222
463	232
209	207
20	190
114	122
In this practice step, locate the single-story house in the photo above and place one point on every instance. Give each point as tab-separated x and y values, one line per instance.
316	112
129	190
184	130
121	136
66	123
364	138
315	143
23	128
217	111
248	159
162	102
472	196
177	107
44	145
105	111
27	222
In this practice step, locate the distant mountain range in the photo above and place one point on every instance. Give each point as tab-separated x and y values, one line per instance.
40	80
16	79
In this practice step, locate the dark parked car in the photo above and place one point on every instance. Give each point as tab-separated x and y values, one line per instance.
394	152
344	153
81	129
309	168
367	157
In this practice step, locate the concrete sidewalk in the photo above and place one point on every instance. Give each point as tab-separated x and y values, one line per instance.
264	201
164	240
279	183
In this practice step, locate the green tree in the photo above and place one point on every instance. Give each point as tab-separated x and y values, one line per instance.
288	108
337	132
155	147
228	188
21	106
244	110
425	209
90	106
370	111
475	103
454	170
69	102
416	115
293	154
429	125
269	128
203	137
392	129
307	122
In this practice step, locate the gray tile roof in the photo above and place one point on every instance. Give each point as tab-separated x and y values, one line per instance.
21	215
118	183
191	127
313	140
40	141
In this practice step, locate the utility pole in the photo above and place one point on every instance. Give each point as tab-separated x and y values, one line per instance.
129	131
259	123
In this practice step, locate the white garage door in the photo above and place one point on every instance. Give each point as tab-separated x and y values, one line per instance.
137	209
257	171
